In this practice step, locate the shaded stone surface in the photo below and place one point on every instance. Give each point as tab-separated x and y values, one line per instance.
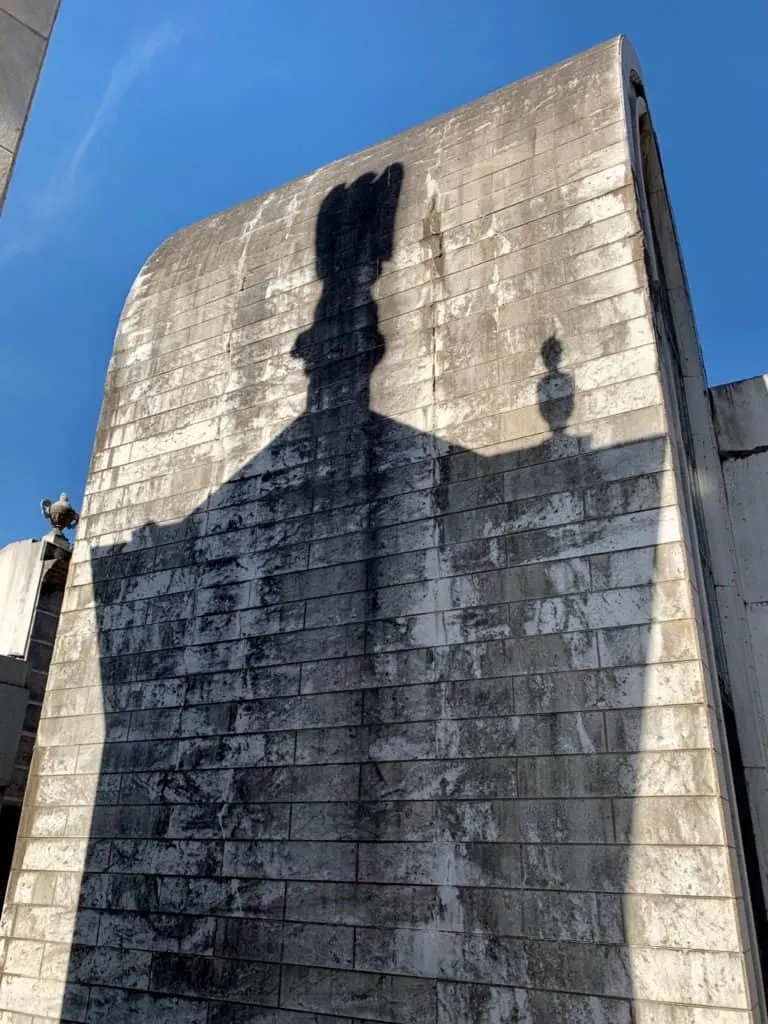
379	692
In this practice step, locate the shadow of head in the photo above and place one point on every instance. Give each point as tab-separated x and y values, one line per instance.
354	237
552	353
356	227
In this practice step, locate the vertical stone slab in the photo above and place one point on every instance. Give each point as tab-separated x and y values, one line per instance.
740	413
25	28
379	690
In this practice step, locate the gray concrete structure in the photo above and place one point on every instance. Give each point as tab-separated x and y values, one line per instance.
741	421
25	28
389	682
32	578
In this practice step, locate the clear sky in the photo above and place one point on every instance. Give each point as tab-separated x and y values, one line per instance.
151	114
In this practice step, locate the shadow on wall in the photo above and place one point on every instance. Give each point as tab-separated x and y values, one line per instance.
357	761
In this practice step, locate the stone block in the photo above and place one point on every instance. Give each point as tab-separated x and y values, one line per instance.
362	905
50	998
214	978
368	995
660	728
680	923
664	1013
365	821
705	978
521	737
125	1007
319	945
661	870
490	1004
289	859
648	773
674	820
24	957
496	865
573	917
527	821
141	931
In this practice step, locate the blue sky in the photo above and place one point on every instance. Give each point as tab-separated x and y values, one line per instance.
151	114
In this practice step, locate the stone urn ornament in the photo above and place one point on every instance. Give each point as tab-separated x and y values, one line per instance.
59	514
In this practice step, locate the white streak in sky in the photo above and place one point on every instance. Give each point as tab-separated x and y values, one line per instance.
65	190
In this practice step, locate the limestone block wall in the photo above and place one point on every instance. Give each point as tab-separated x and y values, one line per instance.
381	689
25	28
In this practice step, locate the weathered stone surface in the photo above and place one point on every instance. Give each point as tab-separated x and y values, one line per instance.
379	692
741	425
24	31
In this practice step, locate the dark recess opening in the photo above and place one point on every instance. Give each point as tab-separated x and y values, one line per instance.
9	826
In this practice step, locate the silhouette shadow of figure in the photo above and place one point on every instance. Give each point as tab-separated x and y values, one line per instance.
555	390
355	230
349	694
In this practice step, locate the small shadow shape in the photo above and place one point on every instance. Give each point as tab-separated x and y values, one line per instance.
555	390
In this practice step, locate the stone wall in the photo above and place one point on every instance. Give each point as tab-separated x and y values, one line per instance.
381	690
741	421
32	578
25	27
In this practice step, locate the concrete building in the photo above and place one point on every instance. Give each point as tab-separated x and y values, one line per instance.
741	422
32	578
25	28
408	667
